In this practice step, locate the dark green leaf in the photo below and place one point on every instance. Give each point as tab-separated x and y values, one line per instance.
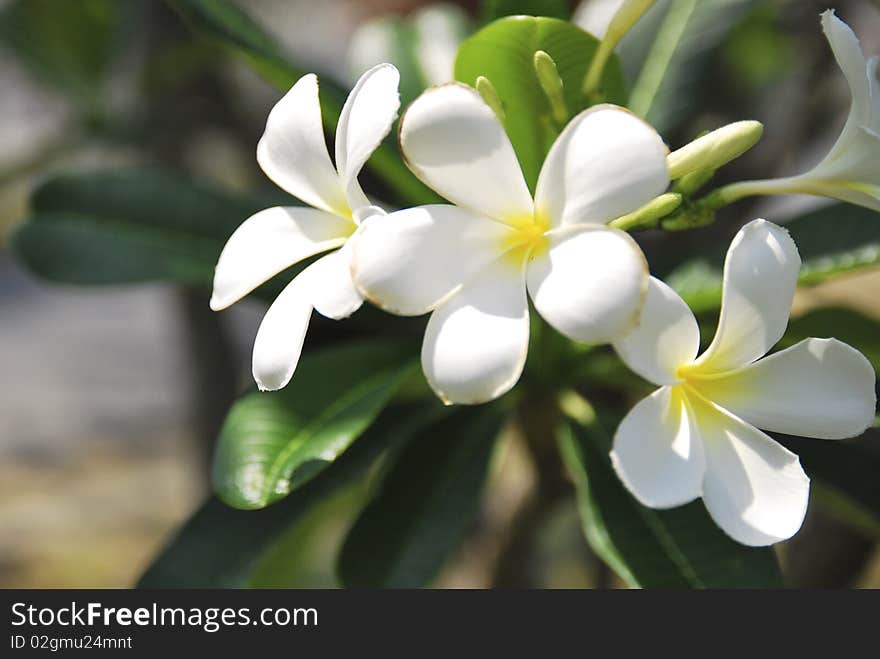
503	52
678	548
128	226
425	503
272	443
221	547
48	36
834	240
495	9
230	26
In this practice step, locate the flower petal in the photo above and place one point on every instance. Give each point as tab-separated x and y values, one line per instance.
333	293
366	119
410	261
590	285
848	53
454	142
293	153
606	163
280	337
817	388
755	488
667	336
270	241
657	451
476	342
760	276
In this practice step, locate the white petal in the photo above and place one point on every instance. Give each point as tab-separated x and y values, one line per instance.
476	342
333	292
454	142
848	53
591	283
366	119
293	153
267	243
817	388
666	337
760	276
606	163
755	489
657	451
411	260
280	337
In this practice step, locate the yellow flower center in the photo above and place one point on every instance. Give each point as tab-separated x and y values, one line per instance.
527	239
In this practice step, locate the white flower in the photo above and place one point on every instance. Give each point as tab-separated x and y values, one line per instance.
292	153
851	170
697	435
471	263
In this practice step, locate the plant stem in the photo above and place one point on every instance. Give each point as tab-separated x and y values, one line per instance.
735	191
657	62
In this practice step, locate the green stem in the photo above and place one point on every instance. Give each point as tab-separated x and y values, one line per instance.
658	59
735	191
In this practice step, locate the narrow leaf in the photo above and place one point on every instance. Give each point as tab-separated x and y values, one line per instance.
424	504
128	226
221	547
272	443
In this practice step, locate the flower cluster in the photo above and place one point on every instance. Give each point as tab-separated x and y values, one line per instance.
474	263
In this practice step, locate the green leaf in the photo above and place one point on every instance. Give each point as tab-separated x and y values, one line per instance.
679	57
424	504
128	226
494	9
832	241
232	28
504	52
48	37
677	548
272	443
221	547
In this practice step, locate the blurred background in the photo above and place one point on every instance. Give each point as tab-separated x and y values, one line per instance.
111	397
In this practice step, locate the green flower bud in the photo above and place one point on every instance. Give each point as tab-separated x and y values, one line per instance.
714	149
551	84
487	90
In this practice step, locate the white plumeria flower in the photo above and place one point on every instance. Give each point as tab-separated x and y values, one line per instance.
851	170
293	153
697	435
471	263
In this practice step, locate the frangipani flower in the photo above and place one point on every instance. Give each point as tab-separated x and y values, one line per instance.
471	263
697	435
851	170
292	153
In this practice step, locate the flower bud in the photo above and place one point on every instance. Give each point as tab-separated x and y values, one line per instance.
551	84
487	90
714	149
